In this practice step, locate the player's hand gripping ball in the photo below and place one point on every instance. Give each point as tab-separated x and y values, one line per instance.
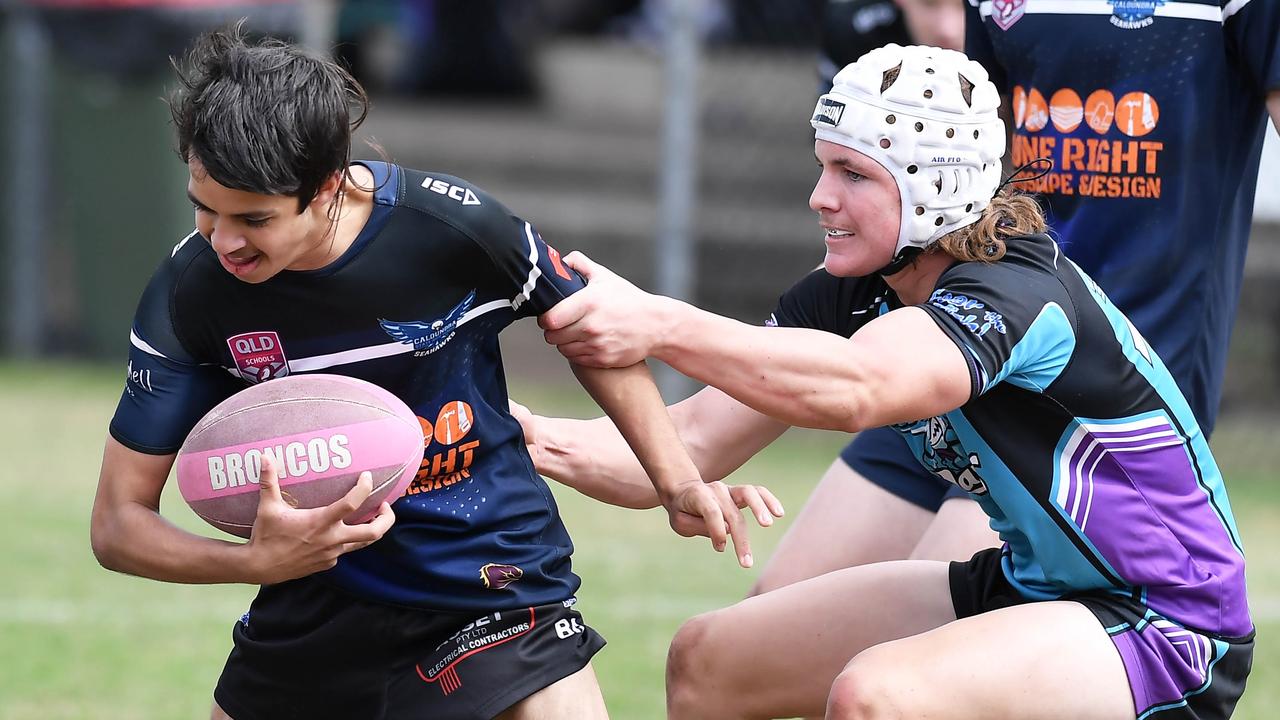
321	432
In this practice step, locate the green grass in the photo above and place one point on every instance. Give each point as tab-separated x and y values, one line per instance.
80	642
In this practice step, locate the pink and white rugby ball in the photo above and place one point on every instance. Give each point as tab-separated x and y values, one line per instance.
321	432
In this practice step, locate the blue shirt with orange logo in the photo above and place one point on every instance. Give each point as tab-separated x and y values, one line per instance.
415	306
1153	113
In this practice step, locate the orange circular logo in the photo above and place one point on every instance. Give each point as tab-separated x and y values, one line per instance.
1137	114
1037	111
426	430
453	423
1019	106
1100	110
1065	110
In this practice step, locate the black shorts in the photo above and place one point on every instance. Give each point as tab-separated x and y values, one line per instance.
306	650
1174	673
882	456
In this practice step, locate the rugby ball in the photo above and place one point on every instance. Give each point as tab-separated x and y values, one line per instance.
321	432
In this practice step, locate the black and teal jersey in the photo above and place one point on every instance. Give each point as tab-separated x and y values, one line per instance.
1076	441
1153	113
415	306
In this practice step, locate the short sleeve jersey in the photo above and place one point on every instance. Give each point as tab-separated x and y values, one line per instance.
1153	112
414	306
1075	441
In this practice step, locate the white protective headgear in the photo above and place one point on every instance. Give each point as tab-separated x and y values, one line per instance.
928	116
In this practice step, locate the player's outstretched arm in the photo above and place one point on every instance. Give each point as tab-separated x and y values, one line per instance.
898	367
631	400
129	535
592	457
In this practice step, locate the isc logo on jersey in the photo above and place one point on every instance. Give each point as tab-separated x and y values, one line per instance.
454	192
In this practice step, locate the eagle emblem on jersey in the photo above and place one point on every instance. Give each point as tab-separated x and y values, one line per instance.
428	336
259	356
1133	14
1007	12
936	444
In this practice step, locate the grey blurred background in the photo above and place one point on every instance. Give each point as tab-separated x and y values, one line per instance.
668	139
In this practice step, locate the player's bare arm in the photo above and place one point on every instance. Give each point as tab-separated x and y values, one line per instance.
1273	107
592	457
899	367
631	400
129	535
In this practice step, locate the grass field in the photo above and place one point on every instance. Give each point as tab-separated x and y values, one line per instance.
79	642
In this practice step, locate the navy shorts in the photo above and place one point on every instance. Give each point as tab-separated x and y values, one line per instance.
1174	672
882	457
307	650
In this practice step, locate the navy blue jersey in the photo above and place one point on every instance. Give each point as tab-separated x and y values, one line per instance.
1076	441
415	306
1153	113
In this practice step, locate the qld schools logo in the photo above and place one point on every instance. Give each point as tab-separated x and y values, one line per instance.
428	336
1007	12
1133	14
258	356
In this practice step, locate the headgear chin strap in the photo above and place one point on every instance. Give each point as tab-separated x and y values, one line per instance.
928	116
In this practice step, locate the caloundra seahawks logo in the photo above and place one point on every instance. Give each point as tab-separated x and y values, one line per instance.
1133	14
428	336
934	441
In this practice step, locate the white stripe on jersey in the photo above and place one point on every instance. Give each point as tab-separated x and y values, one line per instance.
534	271
1173	9
1233	7
183	241
143	346
374	352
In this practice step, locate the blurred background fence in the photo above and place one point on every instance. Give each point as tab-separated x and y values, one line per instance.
666	139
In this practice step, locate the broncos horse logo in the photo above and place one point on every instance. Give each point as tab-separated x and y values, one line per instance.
428	336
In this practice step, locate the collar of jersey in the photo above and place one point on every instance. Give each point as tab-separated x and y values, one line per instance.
386	180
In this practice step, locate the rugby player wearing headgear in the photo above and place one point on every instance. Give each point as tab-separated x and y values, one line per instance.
945	311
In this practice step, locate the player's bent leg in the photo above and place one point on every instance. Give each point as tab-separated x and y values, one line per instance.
847	521
959	530
1047	660
576	696
776	654
218	713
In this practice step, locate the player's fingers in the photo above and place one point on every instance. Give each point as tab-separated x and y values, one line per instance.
585	266
713	520
268	482
771	501
565	313
354	498
737	527
750	498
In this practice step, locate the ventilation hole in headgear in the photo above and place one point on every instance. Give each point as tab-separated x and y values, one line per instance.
966	89
919	210
938	222
968	208
911	169
919	127
937	184
957	176
975	134
884	143
929	70
890	77
891	119
951	132
928	93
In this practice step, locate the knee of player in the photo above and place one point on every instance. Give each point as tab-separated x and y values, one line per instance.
873	686
690	666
